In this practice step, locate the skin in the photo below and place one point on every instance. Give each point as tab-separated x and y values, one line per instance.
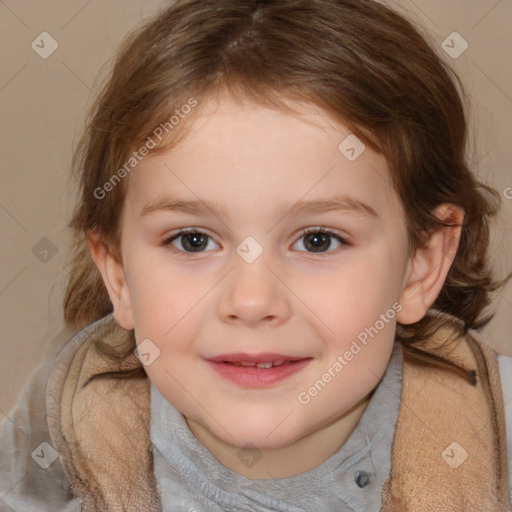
290	300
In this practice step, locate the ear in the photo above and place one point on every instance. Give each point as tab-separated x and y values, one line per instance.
428	267
114	278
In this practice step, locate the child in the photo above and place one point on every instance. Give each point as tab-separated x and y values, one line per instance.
276	210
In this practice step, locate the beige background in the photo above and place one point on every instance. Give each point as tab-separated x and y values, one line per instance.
43	103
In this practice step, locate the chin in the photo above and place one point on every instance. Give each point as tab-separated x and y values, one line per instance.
265	435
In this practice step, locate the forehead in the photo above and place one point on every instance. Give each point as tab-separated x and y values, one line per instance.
235	148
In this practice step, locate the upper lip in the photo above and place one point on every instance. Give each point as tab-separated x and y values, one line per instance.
264	357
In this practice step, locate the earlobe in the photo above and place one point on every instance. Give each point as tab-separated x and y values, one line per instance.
429	266
114	279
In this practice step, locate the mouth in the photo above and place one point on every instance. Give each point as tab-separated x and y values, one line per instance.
248	364
262	360
257	370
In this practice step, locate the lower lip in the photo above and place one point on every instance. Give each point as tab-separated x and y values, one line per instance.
253	377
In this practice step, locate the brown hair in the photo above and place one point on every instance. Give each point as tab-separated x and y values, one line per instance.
357	60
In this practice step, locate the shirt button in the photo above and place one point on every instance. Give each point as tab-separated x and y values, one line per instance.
362	478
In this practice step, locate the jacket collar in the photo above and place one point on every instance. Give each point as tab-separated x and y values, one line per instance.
449	450
101	430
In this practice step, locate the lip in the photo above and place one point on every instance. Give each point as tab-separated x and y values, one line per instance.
262	357
252	376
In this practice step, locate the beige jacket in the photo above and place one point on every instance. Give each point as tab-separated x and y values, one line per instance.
449	451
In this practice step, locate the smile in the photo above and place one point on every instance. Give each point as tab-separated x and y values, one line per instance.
258	370
248	364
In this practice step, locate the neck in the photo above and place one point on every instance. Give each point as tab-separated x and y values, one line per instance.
303	455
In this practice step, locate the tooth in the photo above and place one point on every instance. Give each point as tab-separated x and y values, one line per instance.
265	365
278	363
247	364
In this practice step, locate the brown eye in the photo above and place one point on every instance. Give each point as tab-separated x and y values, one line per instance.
320	240
317	242
189	240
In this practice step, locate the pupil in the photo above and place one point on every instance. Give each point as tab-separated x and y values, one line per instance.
198	242
317	239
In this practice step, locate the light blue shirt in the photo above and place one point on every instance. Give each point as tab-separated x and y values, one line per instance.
190	479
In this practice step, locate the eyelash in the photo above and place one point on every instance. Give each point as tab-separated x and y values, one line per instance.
307	231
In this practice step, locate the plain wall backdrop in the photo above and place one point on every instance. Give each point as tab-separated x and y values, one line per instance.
44	101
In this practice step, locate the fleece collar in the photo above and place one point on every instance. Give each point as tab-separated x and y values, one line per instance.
449	451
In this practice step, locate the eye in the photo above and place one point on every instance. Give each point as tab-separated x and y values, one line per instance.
191	240
320	239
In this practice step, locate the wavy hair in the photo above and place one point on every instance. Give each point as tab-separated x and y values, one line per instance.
358	60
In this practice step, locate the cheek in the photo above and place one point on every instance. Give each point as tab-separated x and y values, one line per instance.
165	307
155	288
154	307
341	386
353	297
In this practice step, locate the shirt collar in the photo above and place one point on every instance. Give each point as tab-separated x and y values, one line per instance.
368	443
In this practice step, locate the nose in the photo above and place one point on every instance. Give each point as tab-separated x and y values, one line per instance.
253	295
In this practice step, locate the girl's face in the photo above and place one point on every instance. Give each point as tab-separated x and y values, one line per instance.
246	285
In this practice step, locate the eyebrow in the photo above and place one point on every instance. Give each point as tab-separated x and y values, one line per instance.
313	207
